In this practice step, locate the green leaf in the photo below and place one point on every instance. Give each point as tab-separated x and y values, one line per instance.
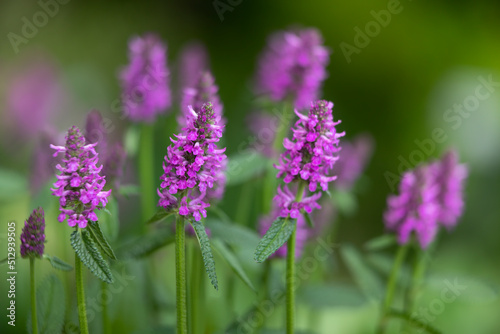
51	305
366	279
98	237
275	237
128	190
329	296
232	261
90	256
380	242
206	252
345	201
244	166
57	263
308	218
148	243
160	215
4	261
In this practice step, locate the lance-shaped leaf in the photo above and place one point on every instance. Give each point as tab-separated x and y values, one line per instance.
57	263
98	237
90	256
275	237
380	242
309	220
148	243
160	215
232	261
51	304
206	252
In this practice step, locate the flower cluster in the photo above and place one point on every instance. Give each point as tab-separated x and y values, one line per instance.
192	164
302	233
145	80
293	65
429	195
79	185
33	235
312	152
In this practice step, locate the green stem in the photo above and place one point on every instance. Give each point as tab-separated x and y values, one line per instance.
104	304
196	294
391	287
180	275
146	171
418	271
244	203
290	271
265	294
80	296
34	319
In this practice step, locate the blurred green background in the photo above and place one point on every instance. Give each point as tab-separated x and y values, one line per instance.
398	87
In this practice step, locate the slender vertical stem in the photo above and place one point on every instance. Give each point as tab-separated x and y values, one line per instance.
290	271
34	319
80	296
196	294
180	275
104	304
146	171
391	286
418	271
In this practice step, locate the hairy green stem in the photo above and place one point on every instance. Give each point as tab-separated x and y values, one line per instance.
180	275
391	287
196	293
80	296
146	171
34	319
290	271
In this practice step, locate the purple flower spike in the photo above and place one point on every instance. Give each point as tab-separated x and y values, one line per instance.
145	81
312	152
353	159
301	236
193	61
415	209
33	235
450	176
79	185
202	92
293	65
192	165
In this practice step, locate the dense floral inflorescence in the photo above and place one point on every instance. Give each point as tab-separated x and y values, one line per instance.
145	81
33	235
309	157
428	195
79	185
192	164
293	66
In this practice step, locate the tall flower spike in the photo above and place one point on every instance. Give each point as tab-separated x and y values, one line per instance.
33	235
79	185
202	92
145	81
415	209
450	176
302	233
192	164
293	65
